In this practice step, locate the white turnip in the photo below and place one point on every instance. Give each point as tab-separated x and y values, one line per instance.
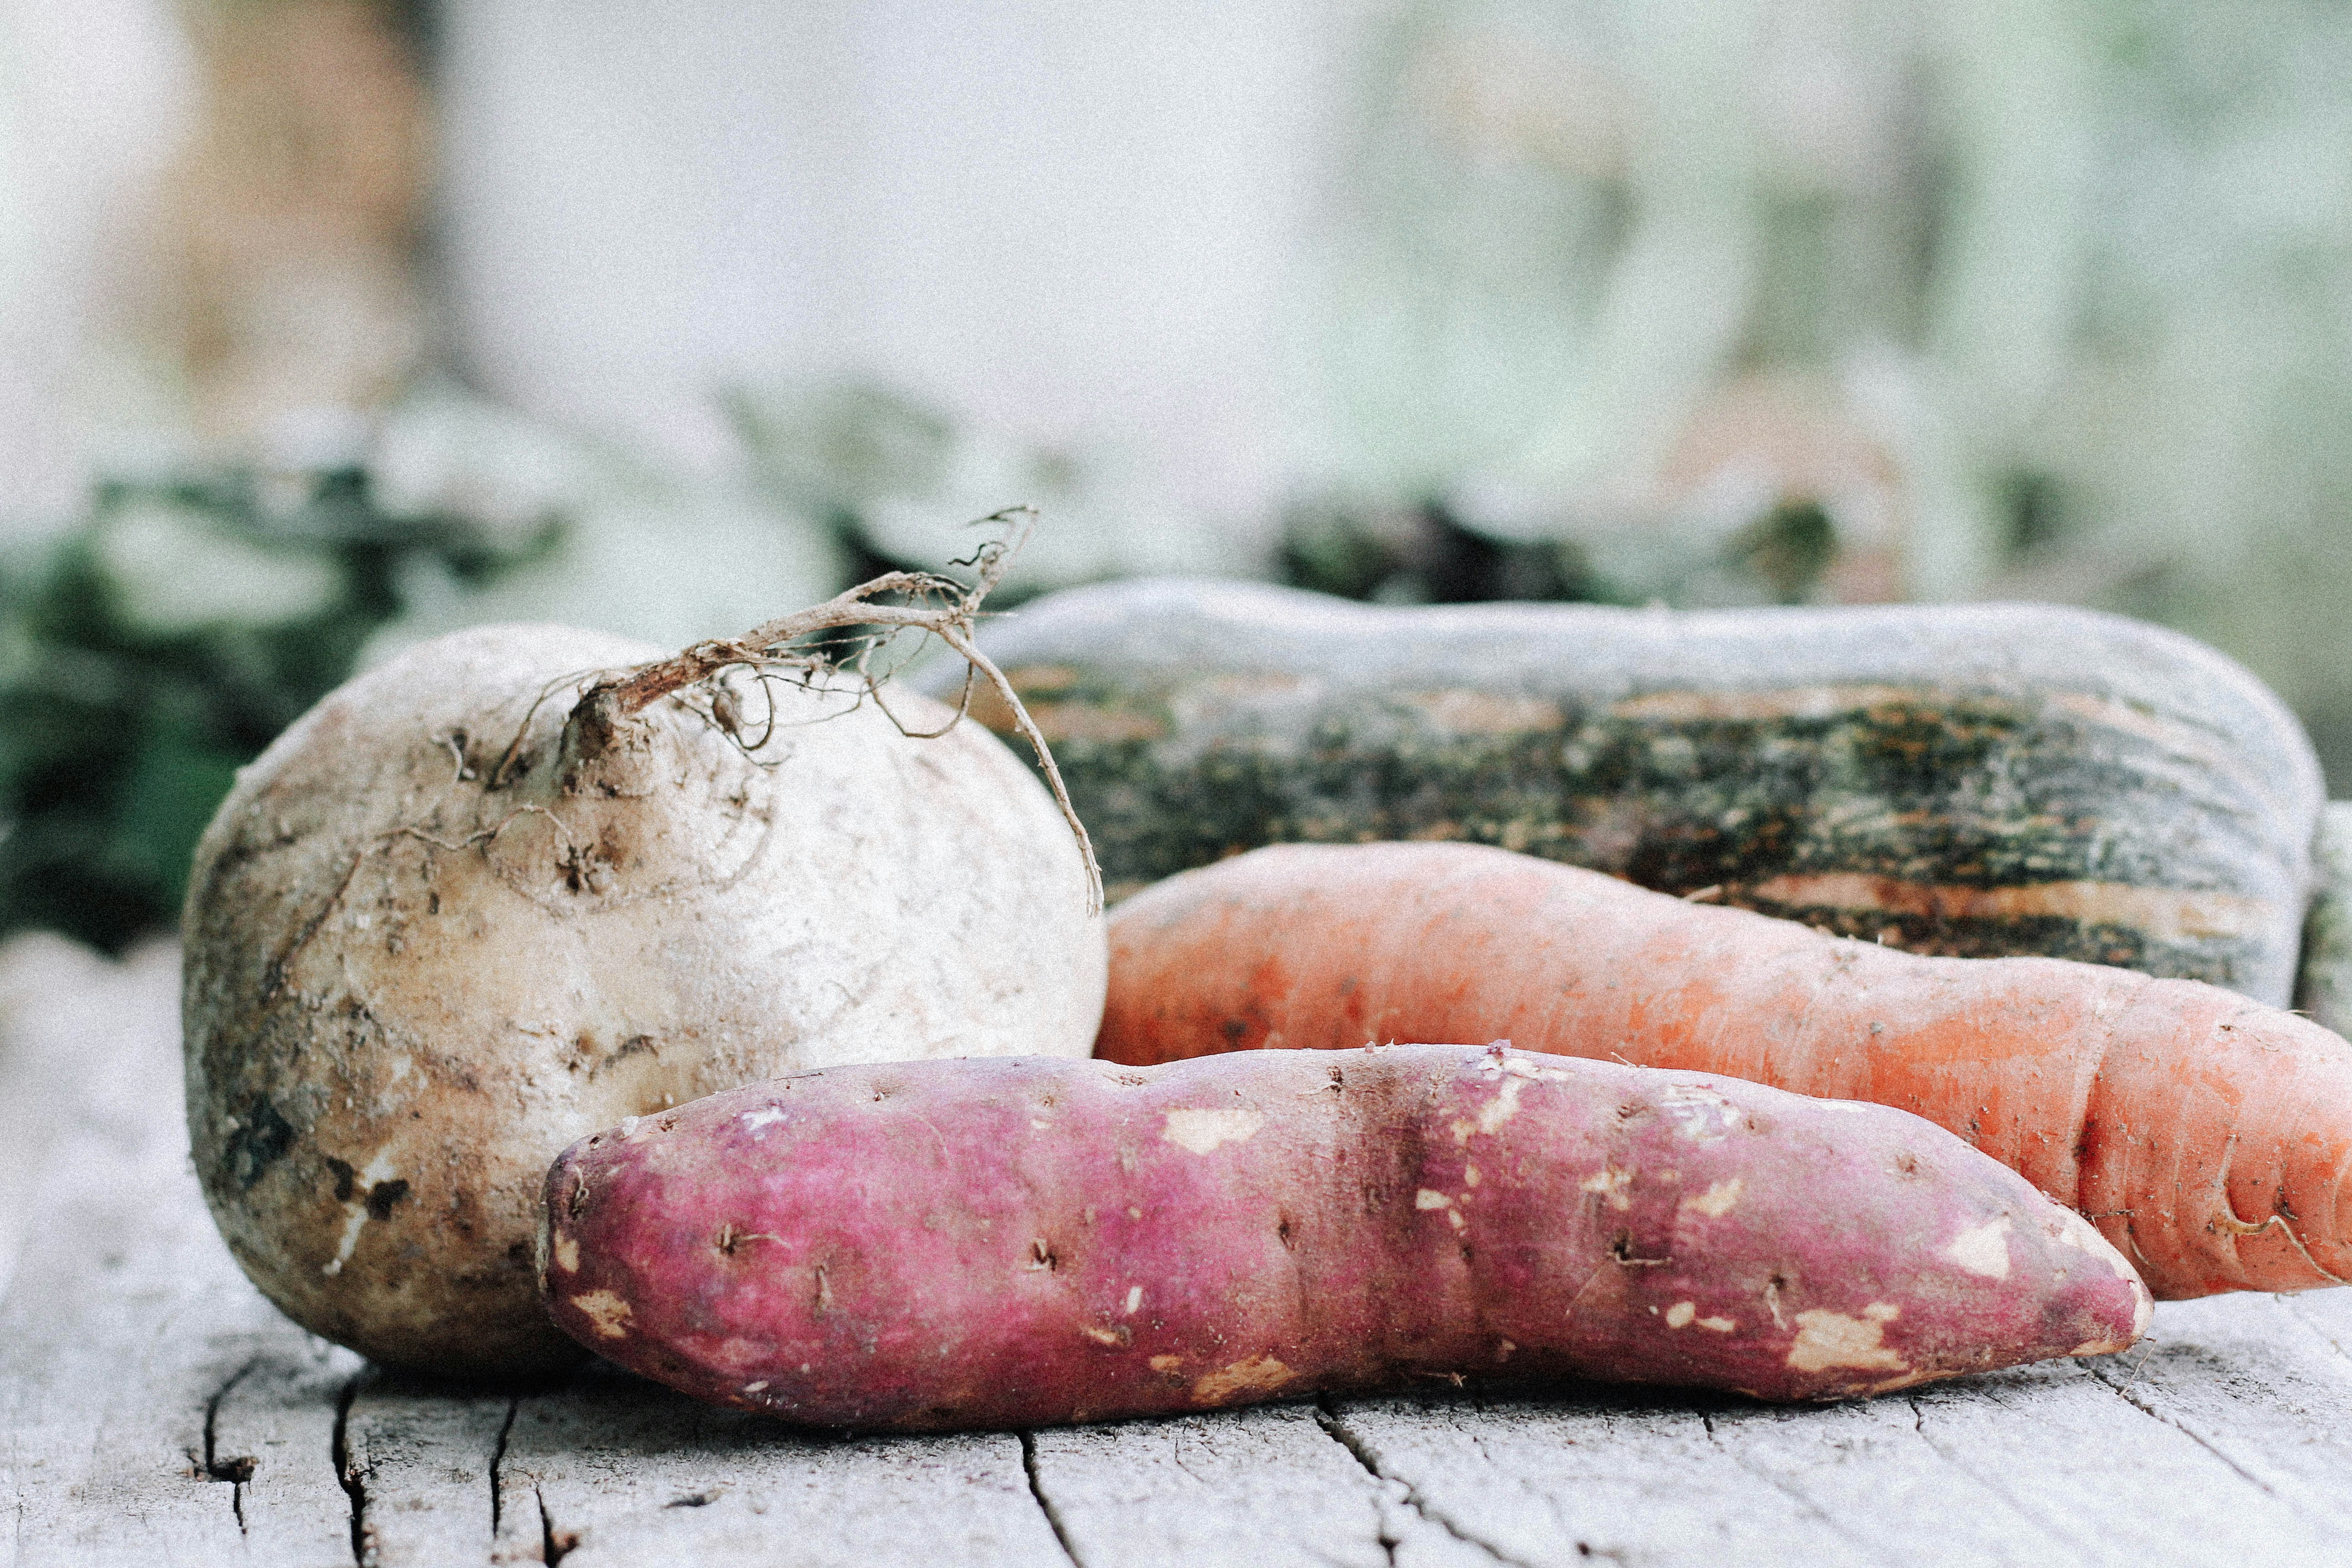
523	882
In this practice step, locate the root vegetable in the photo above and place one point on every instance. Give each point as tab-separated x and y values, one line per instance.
995	1244
443	927
2208	1137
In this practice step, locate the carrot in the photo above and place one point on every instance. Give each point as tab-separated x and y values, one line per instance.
2208	1136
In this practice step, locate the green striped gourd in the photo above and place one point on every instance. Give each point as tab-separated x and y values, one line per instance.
1973	780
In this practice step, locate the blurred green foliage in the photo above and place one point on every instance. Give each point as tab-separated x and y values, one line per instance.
157	648
1425	555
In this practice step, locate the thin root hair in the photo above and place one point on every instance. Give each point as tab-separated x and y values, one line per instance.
484	835
963	708
2230	1223
933	605
772	721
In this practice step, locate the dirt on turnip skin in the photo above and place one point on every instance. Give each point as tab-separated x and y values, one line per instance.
523	882
941	1245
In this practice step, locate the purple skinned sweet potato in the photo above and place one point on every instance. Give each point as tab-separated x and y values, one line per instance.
997	1243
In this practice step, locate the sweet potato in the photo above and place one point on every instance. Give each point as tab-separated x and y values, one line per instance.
1000	1243
2210	1137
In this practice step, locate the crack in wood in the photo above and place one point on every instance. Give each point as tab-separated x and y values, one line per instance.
498	1459
346	1475
1794	1493
1477	1436
1335	1426
2031	1515
554	1545
1045	1504
2125	1394
2294	1308
238	1469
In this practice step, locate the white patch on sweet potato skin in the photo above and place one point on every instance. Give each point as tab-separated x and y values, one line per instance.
1254	1375
1983	1249
1513	1073
1827	1339
1719	1200
608	1311
1684	1314
1609	1183
1699	1113
567	1254
1503	1107
1204	1131
1431	1198
1905	1380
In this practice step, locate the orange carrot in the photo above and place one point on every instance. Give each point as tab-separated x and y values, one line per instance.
2208	1136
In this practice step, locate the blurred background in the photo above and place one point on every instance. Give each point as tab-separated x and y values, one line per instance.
329	324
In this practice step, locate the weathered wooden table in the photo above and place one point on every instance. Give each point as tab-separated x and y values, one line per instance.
154	1409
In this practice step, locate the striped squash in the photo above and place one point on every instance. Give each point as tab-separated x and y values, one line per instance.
2325	989
1974	780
